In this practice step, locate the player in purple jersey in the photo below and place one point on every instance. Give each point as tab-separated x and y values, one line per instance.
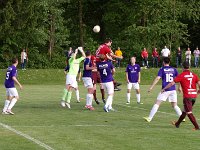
11	91
133	79
106	70
87	80
167	73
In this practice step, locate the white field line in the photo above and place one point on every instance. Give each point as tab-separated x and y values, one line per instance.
26	136
78	125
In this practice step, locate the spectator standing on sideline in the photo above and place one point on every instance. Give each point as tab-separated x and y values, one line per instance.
165	52
155	56
188	56
145	55
196	57
118	53
178	57
24	59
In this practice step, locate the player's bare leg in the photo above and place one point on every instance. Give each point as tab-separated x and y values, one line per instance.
102	93
95	95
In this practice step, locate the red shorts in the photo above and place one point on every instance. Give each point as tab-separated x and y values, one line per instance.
96	77
188	103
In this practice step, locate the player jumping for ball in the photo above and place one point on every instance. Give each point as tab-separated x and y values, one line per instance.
71	76
106	50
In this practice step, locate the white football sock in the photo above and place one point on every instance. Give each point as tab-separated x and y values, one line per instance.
178	110
128	97
12	103
153	111
138	98
87	100
90	98
109	102
6	104
77	95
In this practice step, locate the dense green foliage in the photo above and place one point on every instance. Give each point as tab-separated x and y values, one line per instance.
47	28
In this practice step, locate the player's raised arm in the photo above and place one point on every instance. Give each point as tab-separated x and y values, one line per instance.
82	52
74	55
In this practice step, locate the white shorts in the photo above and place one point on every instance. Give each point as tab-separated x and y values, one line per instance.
171	95
135	86
87	82
109	87
12	92
71	80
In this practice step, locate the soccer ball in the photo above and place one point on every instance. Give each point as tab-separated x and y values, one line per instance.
96	28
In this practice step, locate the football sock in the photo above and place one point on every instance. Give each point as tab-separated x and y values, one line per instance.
12	103
87	100
181	118
128	97
64	94
109	101
95	95
69	96
90	97
102	94
153	111
193	120
6	104
138	98
178	110
77	95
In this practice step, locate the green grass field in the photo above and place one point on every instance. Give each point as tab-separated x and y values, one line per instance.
39	115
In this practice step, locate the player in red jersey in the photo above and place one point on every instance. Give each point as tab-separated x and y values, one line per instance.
96	79
106	50
188	81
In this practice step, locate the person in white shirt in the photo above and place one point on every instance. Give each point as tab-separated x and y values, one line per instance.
188	56
24	59
196	57
165	52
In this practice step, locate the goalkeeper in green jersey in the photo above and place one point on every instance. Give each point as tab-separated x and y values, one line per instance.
71	82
